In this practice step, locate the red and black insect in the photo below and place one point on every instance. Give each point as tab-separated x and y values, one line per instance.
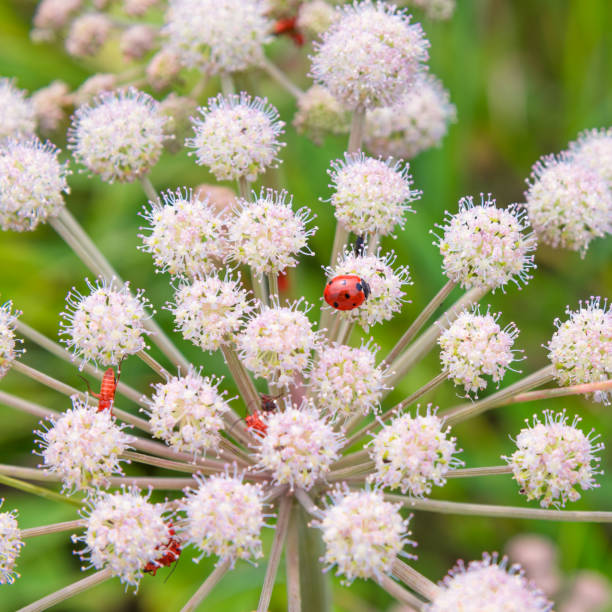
171	552
106	397
287	26
268	405
359	246
346	292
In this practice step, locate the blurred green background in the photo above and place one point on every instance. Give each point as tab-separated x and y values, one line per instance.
526	77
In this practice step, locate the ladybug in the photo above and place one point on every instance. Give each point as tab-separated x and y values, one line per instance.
170	553
346	292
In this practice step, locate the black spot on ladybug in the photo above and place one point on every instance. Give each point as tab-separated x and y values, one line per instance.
336	304
347	295
354	303
358	287
329	283
366	289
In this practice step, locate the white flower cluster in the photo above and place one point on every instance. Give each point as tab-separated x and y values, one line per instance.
9	351
16	110
10	546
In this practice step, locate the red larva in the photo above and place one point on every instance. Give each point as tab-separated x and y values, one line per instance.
287	26
172	551
346	292
268	404
106	397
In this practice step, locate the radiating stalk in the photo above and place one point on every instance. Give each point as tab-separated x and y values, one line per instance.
259	287
352	459
14	483
530	396
361	469
30	407
241	377
33	532
163	483
357	130
280	533
466	411
207	586
67	592
415	580
479	471
154	364
273	286
149	190
292	562
166	464
228	86
280	77
399	592
418	323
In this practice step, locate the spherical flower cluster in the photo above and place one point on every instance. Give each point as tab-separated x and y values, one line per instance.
435	9
266	234
553	459
137	40
319	113
187	412
416	122
107	325
217	35
209	311
593	148
124	532
162	69
32	183
484	246
568	203
120	137
187	236
315	17
488	585
346	381
386	295
52	15
10	546
581	348
299	446
135	8
413	453
370	55
363	534
17	111
83	446
237	136
371	196
276	343
473	346
49	103
87	34
224	518
94	86
9	351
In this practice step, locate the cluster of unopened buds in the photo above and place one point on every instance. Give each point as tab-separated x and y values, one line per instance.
309	444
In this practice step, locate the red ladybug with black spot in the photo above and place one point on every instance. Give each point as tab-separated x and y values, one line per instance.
346	291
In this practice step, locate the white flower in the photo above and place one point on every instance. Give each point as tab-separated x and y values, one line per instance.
9	349
16	110
593	148
10	546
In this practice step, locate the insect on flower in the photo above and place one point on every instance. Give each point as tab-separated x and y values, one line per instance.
171	553
106	397
268	405
287	26
346	292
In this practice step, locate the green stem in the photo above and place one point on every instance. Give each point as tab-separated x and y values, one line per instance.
273	287
357	130
292	562
400	593
149	190
479	471
154	364
40	491
33	532
207	586
280	77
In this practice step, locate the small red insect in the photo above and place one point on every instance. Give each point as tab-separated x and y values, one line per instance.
346	292
287	25
171	553
106	397
268	404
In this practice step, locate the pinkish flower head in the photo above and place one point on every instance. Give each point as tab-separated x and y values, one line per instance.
224	518
92	87
17	111
299	446
217	35
120	137
593	148
474	346
319	113
417	121
488	585
83	447
363	534
53	15
267	235
553	458
32	183
49	103
163	69
237	136
370	55
87	34
9	345
568	203
186	412
187	235
137	8
137	40
106	325
10	546
315	17
485	246
581	348
413	453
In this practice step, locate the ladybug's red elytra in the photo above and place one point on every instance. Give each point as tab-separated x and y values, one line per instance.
346	292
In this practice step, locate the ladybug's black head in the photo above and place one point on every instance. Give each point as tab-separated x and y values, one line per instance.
366	288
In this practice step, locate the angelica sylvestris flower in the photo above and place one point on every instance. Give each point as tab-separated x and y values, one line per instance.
473	346
363	534
137	40
371	195
593	148
163	68
319	113
10	546
120	137
568	203
124	532
370	55
266	234
412	453
416	122
276	343
315	17
187	412
488	585
32	183
106	325
346	381
16	110
9	349
83	446
553	459
581	348
224	518
386	295
49	104
217	35
237	136
485	246
209	311
187	235
87	34
299	446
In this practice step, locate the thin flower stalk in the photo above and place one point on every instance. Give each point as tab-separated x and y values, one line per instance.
148	188
280	77
15	483
207	586
153	364
531	396
273	286
415	580
177	466
163	483
479	471
361	469
33	532
292	561
399	592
